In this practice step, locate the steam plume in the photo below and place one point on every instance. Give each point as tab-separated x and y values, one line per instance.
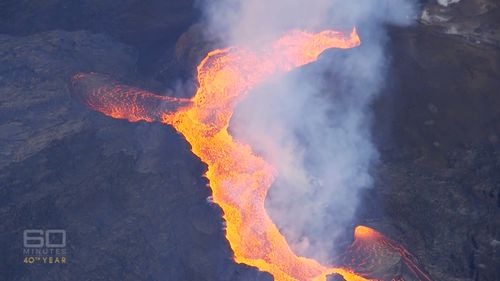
313	127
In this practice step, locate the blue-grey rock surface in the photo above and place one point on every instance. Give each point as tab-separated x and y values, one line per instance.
132	196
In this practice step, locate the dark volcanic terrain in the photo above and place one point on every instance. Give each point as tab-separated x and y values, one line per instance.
131	196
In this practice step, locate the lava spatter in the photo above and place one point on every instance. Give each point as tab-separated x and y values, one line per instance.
377	257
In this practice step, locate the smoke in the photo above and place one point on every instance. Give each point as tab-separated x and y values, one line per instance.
238	22
314	124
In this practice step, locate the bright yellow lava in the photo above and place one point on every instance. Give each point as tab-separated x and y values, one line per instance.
238	178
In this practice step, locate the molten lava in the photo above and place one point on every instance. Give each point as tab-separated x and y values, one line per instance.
376	257
239	179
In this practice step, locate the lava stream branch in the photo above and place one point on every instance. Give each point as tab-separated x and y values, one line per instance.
105	95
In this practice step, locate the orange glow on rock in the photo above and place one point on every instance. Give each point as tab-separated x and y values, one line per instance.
365	232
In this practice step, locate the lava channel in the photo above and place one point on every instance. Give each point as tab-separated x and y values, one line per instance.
239	179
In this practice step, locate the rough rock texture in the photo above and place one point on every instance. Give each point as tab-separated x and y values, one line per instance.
442	92
133	21
152	26
447	215
130	196
437	181
34	73
181	60
474	20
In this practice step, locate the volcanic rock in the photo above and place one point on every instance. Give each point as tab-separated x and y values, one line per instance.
131	197
335	277
437	184
34	73
474	20
132	21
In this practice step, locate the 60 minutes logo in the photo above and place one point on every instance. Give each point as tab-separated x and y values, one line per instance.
37	235
44	246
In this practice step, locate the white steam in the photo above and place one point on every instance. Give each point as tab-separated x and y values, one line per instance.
313	124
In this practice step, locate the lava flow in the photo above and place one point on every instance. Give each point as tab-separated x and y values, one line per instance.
239	179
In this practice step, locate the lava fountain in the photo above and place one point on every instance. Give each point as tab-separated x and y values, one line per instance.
238	178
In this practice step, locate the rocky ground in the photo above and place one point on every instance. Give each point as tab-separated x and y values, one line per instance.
474	20
132	197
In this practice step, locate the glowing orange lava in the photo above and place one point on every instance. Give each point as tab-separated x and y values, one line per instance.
374	256
239	179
